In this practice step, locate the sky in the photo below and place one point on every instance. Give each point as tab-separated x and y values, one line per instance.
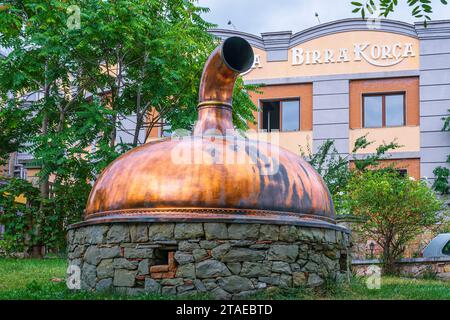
257	16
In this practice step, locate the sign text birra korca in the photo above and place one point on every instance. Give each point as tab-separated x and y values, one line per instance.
380	55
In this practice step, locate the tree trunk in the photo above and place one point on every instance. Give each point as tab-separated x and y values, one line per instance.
44	187
390	267
113	133
140	114
112	137
137	129
389	261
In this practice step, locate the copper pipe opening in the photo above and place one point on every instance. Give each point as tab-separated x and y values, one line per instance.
237	54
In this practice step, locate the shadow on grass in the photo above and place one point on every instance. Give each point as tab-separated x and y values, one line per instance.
59	291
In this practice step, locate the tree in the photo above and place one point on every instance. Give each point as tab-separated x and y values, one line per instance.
36	64
152	55
89	67
393	210
421	9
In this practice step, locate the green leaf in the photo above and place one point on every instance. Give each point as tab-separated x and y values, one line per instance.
416	10
426	8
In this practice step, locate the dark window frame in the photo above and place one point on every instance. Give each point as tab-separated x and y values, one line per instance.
446	248
383	96
402	172
281	100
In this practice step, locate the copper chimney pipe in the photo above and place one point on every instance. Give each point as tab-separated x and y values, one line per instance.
231	58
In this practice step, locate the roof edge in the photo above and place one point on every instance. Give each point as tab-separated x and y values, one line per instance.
282	40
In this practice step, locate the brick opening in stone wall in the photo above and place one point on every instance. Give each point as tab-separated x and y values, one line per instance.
164	265
343	262
162	255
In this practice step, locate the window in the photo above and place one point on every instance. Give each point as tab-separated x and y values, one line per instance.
446	249
281	115
402	172
373	115
383	110
394	110
271	115
290	115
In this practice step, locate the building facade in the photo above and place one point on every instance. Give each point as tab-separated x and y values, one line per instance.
344	79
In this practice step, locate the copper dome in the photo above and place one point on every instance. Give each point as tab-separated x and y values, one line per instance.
211	175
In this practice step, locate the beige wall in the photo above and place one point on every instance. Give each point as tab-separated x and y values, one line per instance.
294	141
281	69
407	137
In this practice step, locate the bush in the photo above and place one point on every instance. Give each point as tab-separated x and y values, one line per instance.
441	182
394	209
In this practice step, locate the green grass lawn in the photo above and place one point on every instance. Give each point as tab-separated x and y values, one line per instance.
38	279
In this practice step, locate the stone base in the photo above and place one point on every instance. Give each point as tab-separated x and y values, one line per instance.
227	260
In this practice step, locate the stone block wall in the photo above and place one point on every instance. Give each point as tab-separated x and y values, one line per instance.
409	267
227	260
